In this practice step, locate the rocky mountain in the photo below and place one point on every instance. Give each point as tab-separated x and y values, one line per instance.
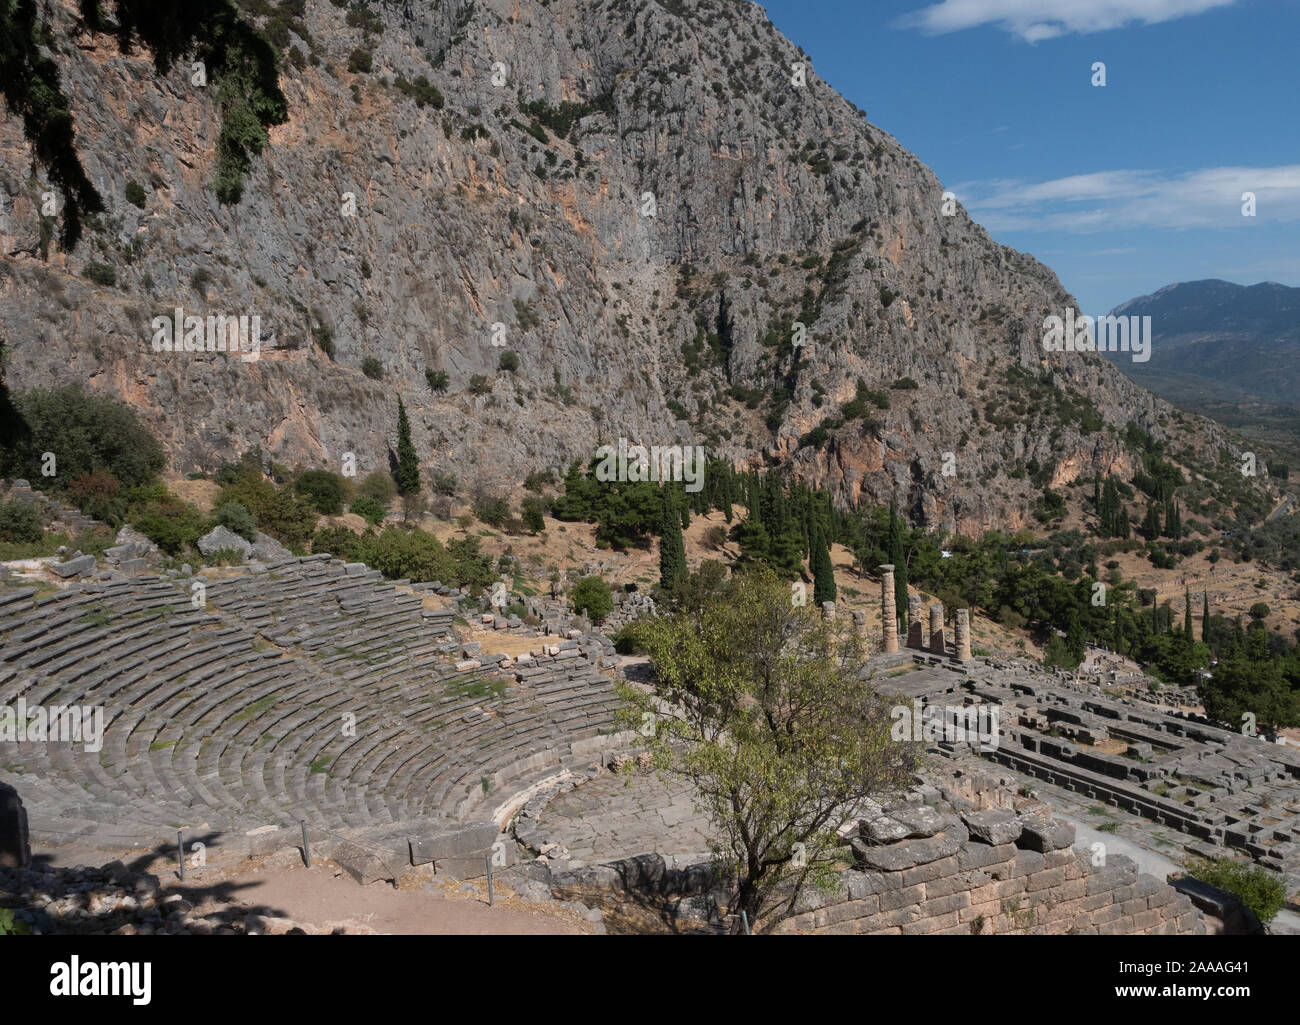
639	202
1216	341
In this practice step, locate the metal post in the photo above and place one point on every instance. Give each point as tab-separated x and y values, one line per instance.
180	852
306	852
491	895
744	920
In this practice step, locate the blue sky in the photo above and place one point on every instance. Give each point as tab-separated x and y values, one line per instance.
1120	189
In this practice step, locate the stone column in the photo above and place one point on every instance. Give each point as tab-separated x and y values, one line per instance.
888	614
936	629
961	634
860	628
828	611
914	638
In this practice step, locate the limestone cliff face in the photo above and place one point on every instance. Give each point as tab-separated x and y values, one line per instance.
646	261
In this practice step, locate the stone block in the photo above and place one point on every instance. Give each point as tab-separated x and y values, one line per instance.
1056	859
927	926
993	826
1043	834
909	896
959	882
908	854
74	567
1046	879
931	871
979	855
221	538
896	917
471	839
945	905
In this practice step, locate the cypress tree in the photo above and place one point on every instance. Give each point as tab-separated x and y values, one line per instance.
672	549
1187	614
1074	642
408	463
1151	527
1205	617
822	570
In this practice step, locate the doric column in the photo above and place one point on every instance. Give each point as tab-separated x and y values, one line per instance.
888	614
961	632
860	628
936	629
914	638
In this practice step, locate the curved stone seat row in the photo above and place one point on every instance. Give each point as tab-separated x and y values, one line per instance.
310	689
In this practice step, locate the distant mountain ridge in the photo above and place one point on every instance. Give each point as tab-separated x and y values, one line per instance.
1214	340
1227	351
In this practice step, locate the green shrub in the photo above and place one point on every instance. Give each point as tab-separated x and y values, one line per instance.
411	554
508	362
470	567
533	514
538	480
437	380
251	490
421	90
169	523
372	509
235	517
479	385
85	432
525	316
492	511
628	641
378	485
360	60
288	519
372	368
1262	891
592	596
323	489
323	334
339	542
101	274
135	193
20	523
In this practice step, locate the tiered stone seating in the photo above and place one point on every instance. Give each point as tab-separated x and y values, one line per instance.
304	690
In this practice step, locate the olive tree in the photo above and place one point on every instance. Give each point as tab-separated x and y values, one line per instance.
767	709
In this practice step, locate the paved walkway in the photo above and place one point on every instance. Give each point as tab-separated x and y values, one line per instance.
617	816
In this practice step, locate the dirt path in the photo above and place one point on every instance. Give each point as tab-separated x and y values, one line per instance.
319	897
324	898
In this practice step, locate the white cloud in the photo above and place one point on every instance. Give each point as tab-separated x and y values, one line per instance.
1035	20
1120	200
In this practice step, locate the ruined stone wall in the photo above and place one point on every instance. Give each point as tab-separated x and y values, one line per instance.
919	871
995	889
